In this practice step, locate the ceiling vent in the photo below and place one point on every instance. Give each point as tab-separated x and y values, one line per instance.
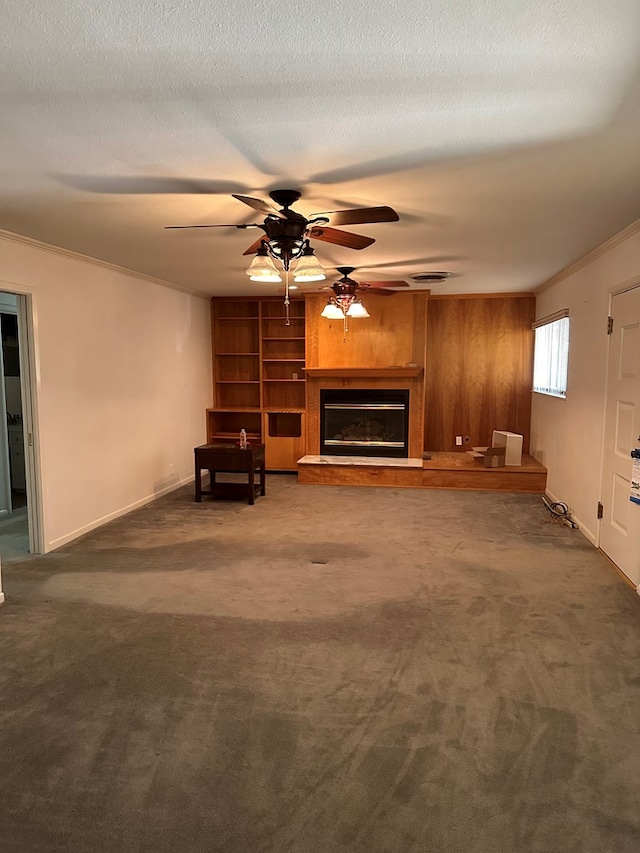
432	277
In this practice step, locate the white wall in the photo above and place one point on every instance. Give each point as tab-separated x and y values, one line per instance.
567	435
123	381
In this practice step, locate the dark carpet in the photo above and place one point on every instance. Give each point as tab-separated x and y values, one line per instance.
332	669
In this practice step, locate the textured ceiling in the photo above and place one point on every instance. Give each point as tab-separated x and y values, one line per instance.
506	134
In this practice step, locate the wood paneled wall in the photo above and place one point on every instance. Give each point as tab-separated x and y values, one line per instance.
478	369
393	335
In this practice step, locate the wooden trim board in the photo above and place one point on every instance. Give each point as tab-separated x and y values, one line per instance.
442	471
366	372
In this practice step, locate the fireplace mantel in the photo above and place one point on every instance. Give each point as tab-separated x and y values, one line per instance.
365	372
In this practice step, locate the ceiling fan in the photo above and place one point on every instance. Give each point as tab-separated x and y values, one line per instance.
287	233
347	287
345	301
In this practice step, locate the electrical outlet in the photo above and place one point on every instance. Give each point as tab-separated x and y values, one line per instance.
458	441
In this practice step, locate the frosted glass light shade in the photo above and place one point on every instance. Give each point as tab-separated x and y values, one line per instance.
357	309
332	312
272	276
262	268
308	269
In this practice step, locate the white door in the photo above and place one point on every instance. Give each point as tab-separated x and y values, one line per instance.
620	530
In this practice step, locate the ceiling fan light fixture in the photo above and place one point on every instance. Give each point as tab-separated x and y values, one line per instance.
307	277
266	278
262	267
308	268
357	309
332	311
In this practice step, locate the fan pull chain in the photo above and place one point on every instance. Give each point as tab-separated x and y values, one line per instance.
287	301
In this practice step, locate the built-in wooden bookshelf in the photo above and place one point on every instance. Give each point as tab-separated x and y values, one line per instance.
258	376
283	357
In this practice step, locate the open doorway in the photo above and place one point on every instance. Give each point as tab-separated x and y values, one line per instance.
13	404
19	518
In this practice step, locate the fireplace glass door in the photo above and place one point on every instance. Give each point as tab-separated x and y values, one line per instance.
364	422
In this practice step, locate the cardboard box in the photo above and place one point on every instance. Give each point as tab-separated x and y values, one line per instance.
512	444
491	457
494	457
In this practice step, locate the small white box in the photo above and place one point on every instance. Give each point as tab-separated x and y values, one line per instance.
512	443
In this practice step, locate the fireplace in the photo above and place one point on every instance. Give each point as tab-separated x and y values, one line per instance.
364	422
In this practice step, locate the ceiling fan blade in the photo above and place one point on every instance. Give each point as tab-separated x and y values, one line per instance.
146	185
376	291
242	225
260	205
359	215
253	248
340	238
374	285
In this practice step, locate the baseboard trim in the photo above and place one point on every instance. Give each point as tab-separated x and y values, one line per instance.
87	528
619	572
588	534
593	539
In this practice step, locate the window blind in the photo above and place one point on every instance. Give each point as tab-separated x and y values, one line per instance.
551	355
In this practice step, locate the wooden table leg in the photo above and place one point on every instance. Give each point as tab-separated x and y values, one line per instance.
198	484
263	486
251	485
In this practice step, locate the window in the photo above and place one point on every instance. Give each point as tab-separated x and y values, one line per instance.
551	355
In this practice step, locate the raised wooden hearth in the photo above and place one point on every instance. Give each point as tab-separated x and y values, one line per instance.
442	471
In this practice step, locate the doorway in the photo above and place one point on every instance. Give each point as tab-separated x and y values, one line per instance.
620	528
13	406
20	527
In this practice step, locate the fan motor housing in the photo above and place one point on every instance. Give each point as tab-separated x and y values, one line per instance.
286	237
345	288
285	198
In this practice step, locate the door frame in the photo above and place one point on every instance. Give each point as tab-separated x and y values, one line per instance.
26	338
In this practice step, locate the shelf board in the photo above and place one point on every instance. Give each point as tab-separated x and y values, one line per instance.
296	360
237	381
283	380
277	410
235	435
238	353
237	409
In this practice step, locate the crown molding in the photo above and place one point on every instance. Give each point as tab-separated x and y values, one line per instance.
11	237
516	294
591	256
